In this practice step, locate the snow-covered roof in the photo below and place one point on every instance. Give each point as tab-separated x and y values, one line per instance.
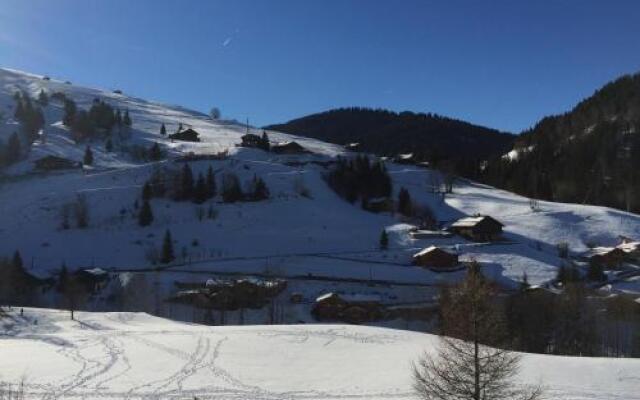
469	222
600	251
629	247
429	250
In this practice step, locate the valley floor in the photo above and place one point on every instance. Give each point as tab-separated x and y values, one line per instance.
137	356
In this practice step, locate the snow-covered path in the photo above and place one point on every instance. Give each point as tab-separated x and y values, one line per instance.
136	356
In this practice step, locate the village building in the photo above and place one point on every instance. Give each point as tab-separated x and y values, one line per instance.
631	249
608	257
355	309
435	257
49	163
288	148
478	228
251	140
187	135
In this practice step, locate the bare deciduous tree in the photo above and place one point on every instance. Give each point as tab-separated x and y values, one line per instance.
464	366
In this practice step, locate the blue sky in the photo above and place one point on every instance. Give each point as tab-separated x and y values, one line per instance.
503	64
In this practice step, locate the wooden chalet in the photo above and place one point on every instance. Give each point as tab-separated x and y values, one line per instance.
435	257
288	148
607	257
478	228
251	140
353	309
187	135
49	163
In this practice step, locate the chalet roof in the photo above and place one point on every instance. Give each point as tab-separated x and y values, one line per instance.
629	247
250	136
406	156
470	222
602	251
430	249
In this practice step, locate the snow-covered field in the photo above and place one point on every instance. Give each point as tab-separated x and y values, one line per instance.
320	234
137	356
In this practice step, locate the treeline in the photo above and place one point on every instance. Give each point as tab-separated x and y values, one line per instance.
430	137
29	113
99	120
589	155
359	179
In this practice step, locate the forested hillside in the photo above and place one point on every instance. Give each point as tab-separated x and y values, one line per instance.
588	155
430	137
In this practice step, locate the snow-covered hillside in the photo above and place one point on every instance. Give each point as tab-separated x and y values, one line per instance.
135	356
296	231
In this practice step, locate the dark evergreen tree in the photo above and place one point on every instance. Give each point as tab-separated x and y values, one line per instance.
88	156
163	130
145	217
264	141
186	183
404	203
126	120
13	148
259	189
155	154
118	117
70	110
108	146
231	190
200	190
17	260
146	191
384	240
167	255
211	183
43	98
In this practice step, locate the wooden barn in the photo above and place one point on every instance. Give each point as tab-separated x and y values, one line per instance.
478	228
288	148
607	257
435	257
49	163
250	140
187	135
354	309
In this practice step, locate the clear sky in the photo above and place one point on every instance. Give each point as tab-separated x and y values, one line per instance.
503	64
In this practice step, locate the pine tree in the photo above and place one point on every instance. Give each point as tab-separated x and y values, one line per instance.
167	249
200	191
108	146
63	278
179	127
19	113
211	183
70	111
384	240
264	141
43	98
126	120
186	183
17	260
118	117
88	156
146	191
260	189
155	154
404	203
13	148
145	218
163	130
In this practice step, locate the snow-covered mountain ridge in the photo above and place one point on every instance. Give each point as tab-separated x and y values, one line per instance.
291	233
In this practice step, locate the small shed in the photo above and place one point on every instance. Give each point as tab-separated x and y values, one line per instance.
288	148
608	257
478	228
251	140
187	135
435	257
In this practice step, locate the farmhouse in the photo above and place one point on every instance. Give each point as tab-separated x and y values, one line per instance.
407	158
288	148
478	228
352	146
251	140
49	163
187	135
435	257
609	257
355	309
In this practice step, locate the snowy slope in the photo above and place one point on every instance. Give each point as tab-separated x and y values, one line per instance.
320	235
136	356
